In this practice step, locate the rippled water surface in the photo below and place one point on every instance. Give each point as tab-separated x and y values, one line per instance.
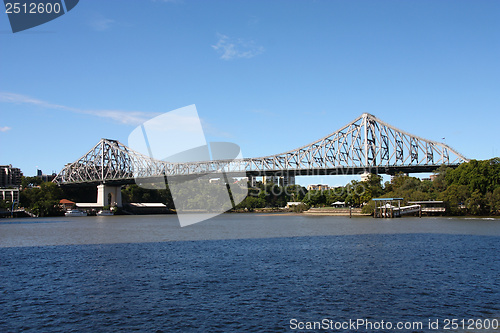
244	272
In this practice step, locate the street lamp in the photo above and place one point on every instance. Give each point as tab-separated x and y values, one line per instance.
12	209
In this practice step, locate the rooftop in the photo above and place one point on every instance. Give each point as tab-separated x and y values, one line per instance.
387	199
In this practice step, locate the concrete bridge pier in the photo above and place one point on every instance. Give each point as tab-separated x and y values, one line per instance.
109	195
281	180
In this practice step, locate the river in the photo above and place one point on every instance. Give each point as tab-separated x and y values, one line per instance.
249	272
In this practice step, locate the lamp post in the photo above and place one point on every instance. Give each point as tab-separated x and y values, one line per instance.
12	208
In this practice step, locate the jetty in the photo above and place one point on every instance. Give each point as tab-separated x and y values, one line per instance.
386	208
431	207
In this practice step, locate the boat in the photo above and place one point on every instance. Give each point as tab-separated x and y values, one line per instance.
105	212
75	212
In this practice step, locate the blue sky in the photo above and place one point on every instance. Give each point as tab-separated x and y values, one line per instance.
268	75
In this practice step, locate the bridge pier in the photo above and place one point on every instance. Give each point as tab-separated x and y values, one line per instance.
270	179
280	180
109	195
287	180
252	181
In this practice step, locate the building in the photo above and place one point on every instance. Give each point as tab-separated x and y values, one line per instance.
66	204
9	176
45	178
317	187
9	194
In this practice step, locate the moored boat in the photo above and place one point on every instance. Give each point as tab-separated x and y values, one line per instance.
75	212
105	212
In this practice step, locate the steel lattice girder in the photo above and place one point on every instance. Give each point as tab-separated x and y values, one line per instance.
367	143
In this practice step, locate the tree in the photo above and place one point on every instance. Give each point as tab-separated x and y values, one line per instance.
251	202
314	198
355	192
374	184
483	176
397	180
439	182
493	199
338	193
30	181
296	192
455	196
476	204
5	204
43	200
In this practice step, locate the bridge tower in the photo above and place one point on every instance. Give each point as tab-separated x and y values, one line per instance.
109	195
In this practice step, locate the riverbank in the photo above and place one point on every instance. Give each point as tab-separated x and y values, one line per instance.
318	211
328	211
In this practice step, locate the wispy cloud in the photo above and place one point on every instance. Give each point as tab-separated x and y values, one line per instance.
100	23
4	129
232	48
7	97
120	116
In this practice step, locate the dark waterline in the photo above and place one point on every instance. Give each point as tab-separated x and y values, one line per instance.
256	284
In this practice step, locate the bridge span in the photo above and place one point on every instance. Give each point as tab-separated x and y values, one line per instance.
367	144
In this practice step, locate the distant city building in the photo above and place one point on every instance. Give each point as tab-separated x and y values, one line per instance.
9	176
318	187
45	178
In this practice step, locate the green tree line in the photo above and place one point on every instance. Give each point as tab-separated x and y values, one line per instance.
471	188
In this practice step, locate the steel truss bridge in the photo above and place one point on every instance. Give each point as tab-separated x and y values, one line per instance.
366	144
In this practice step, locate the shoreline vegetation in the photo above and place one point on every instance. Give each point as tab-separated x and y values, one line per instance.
472	188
